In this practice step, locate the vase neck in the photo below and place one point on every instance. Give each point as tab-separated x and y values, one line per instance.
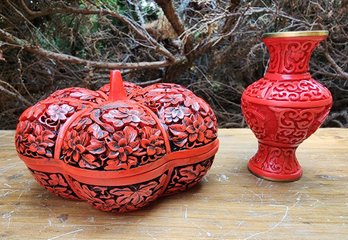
290	56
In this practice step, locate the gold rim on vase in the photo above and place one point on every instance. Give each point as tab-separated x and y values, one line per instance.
296	34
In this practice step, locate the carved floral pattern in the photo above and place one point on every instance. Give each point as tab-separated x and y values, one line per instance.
185	177
39	125
77	150
79	94
188	120
130	88
124	147
33	140
124	198
128	115
175	114
118	136
55	183
56	112
152	141
34	112
192	132
115	136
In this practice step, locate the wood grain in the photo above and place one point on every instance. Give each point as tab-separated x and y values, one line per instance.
230	203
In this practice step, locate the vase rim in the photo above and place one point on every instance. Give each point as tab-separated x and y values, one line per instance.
315	33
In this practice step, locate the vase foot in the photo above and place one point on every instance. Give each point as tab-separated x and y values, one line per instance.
275	163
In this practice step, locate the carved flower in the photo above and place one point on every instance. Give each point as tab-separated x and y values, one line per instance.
157	98
34	111
154	94
97	131
75	150
39	142
192	130
41	178
174	114
84	192
195	128
149	99
210	121
190	174
75	145
111	117
128	115
210	133
204	108
23	131
54	183
172	99
137	196
134	196
152	141
190	102
57	112
105	204
83	95
57	179
82	123
61	192
123	145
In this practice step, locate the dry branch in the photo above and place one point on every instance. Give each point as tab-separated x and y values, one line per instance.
172	16
340	72
14	93
9	38
135	27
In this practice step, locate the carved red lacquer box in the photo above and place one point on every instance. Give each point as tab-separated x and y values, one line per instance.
121	147
285	106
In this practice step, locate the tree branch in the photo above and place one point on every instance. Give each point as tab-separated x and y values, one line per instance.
132	25
172	16
339	70
230	21
170	13
14	93
9	38
149	82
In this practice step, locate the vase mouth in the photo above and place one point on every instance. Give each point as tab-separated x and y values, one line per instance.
315	33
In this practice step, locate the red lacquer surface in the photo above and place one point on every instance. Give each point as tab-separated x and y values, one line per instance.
121	147
284	107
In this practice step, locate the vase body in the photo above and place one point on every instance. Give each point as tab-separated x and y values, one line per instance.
286	106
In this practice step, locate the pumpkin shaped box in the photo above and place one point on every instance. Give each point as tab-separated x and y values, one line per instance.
121	147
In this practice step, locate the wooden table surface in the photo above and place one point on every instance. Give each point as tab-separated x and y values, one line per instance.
230	203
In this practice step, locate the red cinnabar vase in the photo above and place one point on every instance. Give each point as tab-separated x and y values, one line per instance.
121	147
285	106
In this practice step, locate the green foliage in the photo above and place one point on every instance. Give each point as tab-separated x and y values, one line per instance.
67	32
